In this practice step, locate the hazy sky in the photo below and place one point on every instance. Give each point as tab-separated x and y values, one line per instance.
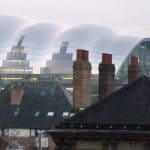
131	16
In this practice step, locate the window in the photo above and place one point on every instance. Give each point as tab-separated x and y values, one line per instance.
32	132
50	114
37	114
6	132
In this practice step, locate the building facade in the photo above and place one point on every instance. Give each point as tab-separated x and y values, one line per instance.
61	63
142	52
15	62
27	110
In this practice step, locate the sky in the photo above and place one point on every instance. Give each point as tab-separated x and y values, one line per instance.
98	25
128	16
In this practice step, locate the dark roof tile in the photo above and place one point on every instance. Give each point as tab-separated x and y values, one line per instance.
38	96
128	106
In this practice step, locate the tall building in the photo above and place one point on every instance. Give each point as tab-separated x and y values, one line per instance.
15	62
61	63
142	52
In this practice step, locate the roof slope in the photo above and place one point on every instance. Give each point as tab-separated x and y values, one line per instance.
128	106
39	97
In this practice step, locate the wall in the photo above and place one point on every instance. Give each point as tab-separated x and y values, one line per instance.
99	145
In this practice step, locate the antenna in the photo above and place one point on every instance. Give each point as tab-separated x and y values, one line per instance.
20	41
64	47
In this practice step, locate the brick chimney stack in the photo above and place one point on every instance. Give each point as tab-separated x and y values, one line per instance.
81	80
16	95
133	69
106	76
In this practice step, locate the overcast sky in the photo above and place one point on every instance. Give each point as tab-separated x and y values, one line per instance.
129	16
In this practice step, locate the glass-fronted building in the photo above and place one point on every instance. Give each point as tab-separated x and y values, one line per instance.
142	51
15	62
61	63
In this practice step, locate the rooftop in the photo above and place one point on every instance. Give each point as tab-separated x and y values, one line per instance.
42	105
129	107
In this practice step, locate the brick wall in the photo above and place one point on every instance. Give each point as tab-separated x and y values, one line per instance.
28	143
81	80
106	76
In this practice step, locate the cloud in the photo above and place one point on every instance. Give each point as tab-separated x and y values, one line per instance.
43	39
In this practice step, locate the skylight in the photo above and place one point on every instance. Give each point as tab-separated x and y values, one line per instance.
37	113
65	114
50	114
72	114
81	108
16	112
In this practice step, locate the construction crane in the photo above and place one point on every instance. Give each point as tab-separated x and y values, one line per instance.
20	41
64	47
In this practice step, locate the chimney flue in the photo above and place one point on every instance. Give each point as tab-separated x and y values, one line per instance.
133	69
106	76
81	80
106	58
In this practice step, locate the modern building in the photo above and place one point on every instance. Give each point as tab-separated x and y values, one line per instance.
142	51
15	62
6	79
61	63
27	110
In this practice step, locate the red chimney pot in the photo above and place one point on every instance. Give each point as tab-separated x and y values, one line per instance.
106	58
82	55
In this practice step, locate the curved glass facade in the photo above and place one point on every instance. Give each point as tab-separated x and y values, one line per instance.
142	51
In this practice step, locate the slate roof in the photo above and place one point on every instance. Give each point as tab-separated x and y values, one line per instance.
39	98
129	106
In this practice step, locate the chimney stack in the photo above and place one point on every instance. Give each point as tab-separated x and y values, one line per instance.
81	80
16	95
106	76
133	69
